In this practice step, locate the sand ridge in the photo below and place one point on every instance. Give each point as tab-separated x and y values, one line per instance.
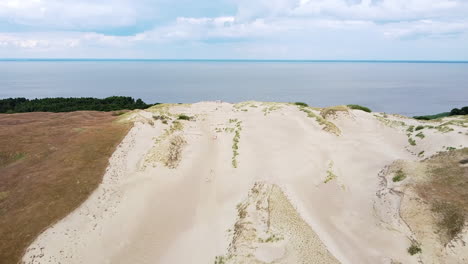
148	212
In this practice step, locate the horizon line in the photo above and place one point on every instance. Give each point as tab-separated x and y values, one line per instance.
226	60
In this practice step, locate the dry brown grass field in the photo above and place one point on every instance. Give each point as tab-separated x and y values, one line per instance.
49	164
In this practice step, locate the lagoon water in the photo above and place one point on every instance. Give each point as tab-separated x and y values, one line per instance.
393	87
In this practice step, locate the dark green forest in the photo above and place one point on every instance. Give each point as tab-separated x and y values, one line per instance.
455	111
23	105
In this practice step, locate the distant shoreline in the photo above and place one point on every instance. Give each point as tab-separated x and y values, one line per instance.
225	60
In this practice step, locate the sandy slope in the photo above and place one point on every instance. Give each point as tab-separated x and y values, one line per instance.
215	190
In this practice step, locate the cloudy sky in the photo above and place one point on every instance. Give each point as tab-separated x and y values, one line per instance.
235	29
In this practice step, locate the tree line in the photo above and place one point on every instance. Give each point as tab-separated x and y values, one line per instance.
59	104
455	111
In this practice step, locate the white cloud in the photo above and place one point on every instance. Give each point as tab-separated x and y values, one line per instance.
425	28
69	14
284	25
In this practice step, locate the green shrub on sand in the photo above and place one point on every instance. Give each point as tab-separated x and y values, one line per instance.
359	107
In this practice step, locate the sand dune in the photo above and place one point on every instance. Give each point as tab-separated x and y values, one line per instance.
251	183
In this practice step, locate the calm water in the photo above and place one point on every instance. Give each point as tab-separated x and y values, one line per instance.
404	88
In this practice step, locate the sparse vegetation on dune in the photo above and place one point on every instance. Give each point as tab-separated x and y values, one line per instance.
443	186
173	157
270	107
359	107
235	142
333	110
330	175
46	173
327	125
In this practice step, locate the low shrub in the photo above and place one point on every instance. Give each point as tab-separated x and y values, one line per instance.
184	117
301	104
414	249
399	176
359	107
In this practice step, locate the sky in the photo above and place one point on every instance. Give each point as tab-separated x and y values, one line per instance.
235	29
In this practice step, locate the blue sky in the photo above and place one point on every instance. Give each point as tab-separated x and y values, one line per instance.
235	29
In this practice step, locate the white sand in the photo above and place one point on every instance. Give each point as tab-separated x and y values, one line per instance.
144	212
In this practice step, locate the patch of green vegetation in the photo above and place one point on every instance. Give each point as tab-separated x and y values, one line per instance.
220	260
301	104
330	175
444	129
161	117
235	144
176	125
388	122
399	176
244	104
3	196
420	154
410	129
328	126
184	117
419	128
270	107
451	148
420	135
414	249
359	107
412	142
